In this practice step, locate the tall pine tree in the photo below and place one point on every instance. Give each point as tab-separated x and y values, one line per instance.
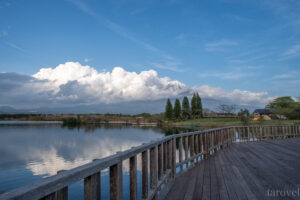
194	105
177	109
169	110
185	108
199	106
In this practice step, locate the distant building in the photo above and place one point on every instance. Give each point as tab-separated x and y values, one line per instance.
259	112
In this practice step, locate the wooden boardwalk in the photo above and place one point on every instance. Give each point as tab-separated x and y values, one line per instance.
244	171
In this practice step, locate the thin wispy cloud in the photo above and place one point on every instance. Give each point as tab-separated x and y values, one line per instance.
225	75
292	52
220	45
169	66
288	75
118	29
14	46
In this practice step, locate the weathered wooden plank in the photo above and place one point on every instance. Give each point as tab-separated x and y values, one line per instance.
220	180
116	182
252	180
169	160
92	187
153	171
165	155
214	188
173	165
145	174
186	150
199	182
133	177
205	143
196	146
206	180
160	161
180	152
192	149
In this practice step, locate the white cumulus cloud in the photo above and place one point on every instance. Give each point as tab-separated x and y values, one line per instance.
109	87
74	84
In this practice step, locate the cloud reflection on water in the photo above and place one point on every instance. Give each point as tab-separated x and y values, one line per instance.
44	151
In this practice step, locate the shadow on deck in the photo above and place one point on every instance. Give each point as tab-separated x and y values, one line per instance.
267	169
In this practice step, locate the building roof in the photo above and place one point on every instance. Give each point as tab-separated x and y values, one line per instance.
263	111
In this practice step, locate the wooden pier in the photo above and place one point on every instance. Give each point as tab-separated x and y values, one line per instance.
258	170
243	162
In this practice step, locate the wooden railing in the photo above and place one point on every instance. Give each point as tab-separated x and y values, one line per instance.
163	167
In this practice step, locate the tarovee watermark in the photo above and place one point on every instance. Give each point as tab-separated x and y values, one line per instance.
283	192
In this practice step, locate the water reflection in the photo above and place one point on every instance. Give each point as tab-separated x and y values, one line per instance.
30	152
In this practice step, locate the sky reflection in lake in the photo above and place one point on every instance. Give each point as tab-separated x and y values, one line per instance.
31	152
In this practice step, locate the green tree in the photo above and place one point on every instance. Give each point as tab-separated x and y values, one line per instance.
283	106
194	105
199	105
186	108
169	110
177	109
244	115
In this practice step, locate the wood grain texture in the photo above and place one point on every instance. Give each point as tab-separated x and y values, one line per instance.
243	171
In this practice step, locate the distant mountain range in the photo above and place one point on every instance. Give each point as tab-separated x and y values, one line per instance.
135	107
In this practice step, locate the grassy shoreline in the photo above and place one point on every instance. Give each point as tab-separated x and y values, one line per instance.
221	122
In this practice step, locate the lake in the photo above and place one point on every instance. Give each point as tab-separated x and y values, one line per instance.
31	151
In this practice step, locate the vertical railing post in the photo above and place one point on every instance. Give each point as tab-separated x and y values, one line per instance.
186	150
213	140
248	134
92	187
192	149
201	144
116	181
169	161
205	144
180	153
145	174
196	146
160	161
153	171
165	154
133	178
234	135
173	167
294	132
222	136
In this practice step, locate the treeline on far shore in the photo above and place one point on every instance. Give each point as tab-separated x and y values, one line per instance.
86	118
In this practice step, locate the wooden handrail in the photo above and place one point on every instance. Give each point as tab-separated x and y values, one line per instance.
196	145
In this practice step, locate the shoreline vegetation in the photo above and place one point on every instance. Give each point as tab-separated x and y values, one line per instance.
144	119
285	110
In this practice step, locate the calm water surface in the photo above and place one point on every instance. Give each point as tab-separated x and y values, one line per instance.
29	152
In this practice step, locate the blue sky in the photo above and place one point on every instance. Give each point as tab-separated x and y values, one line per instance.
227	44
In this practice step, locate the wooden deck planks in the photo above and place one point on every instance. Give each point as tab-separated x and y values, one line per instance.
243	171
